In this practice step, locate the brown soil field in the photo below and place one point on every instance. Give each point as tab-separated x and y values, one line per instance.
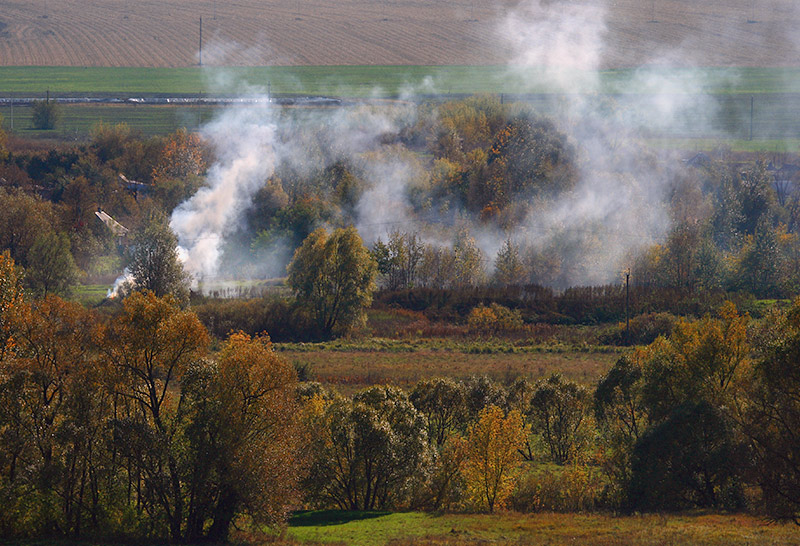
164	33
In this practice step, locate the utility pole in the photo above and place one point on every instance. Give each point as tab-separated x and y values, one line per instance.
627	305
201	42
752	108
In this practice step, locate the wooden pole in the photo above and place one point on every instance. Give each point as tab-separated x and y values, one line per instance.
627	306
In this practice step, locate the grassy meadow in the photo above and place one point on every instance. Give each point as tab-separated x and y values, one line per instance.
371	81
414	528
351	370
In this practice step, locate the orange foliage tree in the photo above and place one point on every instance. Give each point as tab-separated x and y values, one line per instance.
10	297
151	345
244	430
183	155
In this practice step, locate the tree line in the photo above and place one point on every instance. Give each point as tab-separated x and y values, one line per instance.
470	166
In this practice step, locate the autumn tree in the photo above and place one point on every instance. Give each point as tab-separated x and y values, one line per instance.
51	417
11	294
182	156
494	319
244	438
771	417
493	457
3	142
468	261
692	453
509	268
333	276
151	345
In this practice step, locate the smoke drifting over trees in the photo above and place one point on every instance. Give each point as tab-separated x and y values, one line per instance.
577	192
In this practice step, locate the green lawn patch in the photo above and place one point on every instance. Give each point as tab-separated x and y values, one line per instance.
90	294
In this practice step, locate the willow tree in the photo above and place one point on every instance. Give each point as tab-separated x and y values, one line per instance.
333	276
155	265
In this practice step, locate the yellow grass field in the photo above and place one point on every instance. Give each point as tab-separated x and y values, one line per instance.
353	370
165	33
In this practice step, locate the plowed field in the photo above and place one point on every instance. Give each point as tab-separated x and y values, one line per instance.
165	33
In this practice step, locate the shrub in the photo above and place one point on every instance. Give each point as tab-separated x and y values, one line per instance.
45	114
494	319
644	330
574	488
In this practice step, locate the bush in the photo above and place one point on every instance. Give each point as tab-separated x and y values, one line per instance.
45	114
281	320
573	488
643	331
494	319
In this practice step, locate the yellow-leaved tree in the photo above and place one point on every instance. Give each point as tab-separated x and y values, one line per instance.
493	457
10	298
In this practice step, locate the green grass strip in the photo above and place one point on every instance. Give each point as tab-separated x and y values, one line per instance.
366	81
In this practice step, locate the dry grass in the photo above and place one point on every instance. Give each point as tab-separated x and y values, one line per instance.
404	32
352	370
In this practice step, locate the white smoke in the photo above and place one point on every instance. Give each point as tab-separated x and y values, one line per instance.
564	39
244	144
617	207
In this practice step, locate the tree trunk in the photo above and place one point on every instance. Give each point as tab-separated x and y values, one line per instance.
223	515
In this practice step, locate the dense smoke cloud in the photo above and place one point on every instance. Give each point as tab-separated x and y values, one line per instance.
243	141
617	207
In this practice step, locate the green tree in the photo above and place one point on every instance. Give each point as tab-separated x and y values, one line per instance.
692	452
557	411
333	277
441	401
398	259
365	451
23	220
621	418
51	268
45	114
155	265
771	417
